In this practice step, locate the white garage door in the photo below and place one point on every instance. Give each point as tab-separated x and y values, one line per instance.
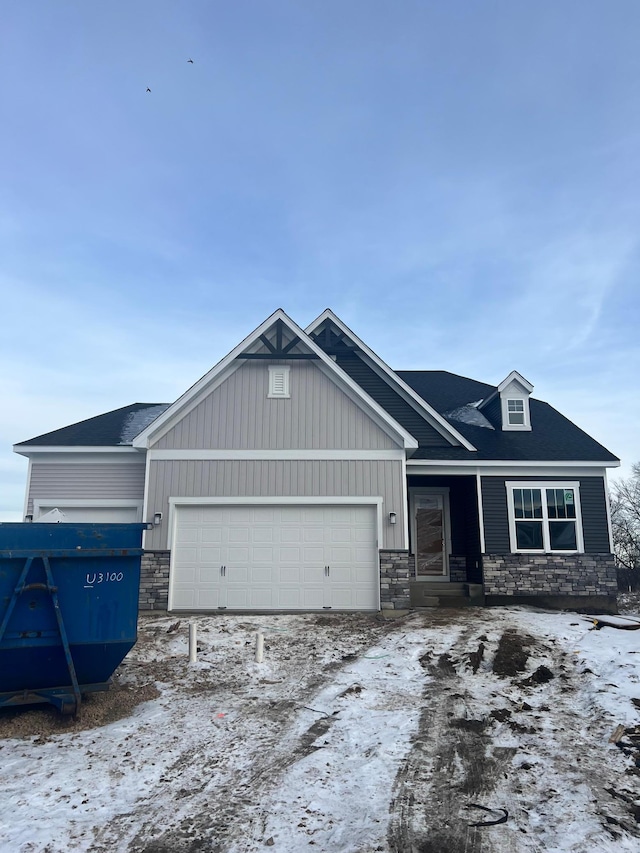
274	558
97	514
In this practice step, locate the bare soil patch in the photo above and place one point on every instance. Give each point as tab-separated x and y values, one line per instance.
512	654
97	709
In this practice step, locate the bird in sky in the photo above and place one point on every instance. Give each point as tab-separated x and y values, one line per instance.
148	89
190	60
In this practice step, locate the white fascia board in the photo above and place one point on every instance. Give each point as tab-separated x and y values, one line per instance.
397	455
221	371
415	400
517	377
40	451
508	468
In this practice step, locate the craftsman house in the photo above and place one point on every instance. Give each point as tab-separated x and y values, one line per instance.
302	473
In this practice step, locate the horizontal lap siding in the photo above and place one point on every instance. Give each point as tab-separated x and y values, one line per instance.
239	415
276	478
91	481
592	502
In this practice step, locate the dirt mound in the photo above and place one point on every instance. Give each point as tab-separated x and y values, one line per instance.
511	655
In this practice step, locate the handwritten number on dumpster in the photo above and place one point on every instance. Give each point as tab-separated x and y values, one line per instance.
102	577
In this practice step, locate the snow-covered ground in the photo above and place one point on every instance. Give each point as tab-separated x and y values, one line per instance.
354	734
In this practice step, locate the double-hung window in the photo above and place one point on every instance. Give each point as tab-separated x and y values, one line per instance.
515	412
544	517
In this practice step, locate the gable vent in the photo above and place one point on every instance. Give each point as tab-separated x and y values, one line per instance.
279	380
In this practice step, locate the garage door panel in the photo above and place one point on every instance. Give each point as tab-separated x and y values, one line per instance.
262	555
187	576
239	534
184	599
342	575
258	575
210	555
311	515
288	598
208	575
314	556
188	535
290	555
312	535
263	534
237	575
275	558
210	535
340	555
186	555
237	555
313	598
290	534
290	575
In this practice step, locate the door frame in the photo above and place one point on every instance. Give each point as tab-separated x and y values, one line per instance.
441	491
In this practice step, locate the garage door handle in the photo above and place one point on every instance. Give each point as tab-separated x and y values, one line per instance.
223	571
326	571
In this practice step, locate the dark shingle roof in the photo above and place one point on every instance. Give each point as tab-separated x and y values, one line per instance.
552	437
113	429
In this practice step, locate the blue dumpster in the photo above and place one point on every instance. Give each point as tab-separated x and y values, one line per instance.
68	609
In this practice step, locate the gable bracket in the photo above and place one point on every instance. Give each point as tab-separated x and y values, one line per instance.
332	348
277	350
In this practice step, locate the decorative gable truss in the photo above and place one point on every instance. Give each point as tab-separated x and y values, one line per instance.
276	342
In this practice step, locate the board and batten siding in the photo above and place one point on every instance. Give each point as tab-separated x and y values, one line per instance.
85	481
592	502
239	415
276	478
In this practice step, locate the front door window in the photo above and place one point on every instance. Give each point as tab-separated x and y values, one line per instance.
430	536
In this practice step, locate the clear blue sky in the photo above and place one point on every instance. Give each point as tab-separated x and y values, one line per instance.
458	181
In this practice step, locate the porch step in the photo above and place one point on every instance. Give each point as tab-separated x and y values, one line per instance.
446	595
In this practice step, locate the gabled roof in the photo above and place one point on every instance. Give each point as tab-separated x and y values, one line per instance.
258	345
404	392
514	376
112	429
553	438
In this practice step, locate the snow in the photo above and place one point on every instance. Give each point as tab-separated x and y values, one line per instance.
354	734
469	414
139	420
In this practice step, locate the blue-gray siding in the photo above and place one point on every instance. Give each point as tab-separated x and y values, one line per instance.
592	501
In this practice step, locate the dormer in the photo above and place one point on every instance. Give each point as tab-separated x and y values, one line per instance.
508	406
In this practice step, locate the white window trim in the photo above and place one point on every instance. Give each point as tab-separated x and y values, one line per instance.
544	484
283	370
506	426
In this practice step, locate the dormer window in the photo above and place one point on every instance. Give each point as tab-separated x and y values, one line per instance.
508	405
515	412
279	381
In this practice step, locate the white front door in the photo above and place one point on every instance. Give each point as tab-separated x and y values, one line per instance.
430	534
274	557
